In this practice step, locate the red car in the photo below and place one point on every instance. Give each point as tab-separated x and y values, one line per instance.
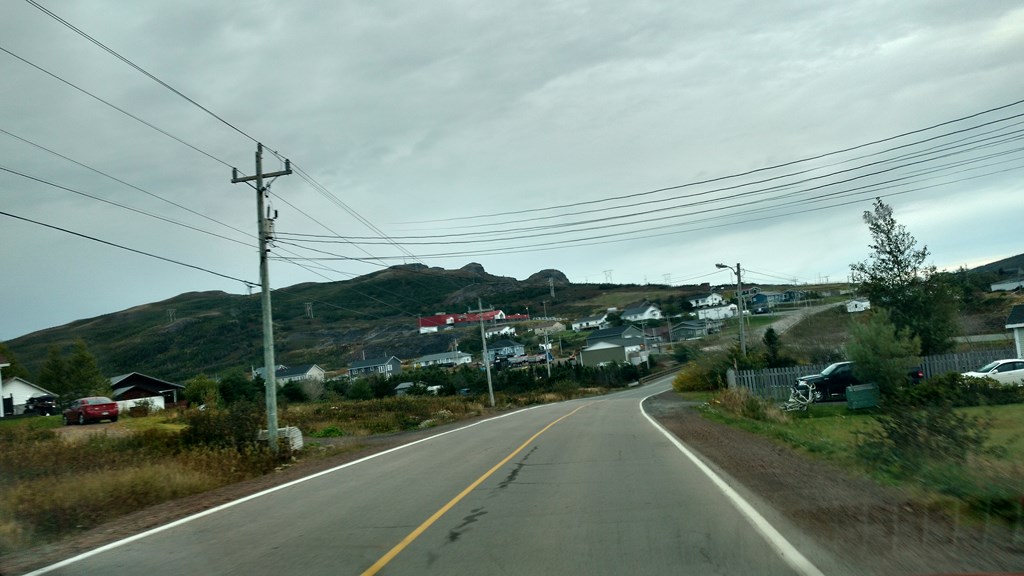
91	409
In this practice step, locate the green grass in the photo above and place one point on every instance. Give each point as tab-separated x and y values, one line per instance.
34	422
990	480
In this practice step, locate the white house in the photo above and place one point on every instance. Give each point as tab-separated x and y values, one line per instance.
283	374
1008	285
858	305
643	312
718	312
500	331
15	392
443	359
707	300
591	322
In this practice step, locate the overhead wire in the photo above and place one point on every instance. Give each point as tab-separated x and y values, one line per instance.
134	250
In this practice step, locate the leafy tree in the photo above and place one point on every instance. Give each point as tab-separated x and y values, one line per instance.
202	390
360	390
896	278
881	352
237	387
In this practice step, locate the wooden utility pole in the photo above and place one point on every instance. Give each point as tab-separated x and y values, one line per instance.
265	225
483	337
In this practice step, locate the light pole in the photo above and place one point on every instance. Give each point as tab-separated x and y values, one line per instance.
739	303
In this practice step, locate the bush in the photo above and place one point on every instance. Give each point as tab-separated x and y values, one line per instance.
741	402
960	390
236	427
909	436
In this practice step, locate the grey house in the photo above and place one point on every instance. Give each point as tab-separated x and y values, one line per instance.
615	333
506	348
386	367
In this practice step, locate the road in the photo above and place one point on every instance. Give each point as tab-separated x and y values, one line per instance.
581	487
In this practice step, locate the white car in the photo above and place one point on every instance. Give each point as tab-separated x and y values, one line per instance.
1009	371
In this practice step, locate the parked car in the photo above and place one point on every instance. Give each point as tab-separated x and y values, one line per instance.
831	383
1009	371
44	405
91	409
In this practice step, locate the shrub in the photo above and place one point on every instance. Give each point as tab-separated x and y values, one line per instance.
236	427
740	402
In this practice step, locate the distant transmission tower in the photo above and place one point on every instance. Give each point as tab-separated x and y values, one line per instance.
309	310
608	276
170	316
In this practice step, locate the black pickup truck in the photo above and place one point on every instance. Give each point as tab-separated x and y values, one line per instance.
44	405
831	383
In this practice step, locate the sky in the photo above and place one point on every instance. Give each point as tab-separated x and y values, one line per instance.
630	142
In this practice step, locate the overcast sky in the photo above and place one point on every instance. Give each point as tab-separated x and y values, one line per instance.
521	136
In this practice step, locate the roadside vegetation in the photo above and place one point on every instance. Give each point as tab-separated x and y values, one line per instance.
59	481
955	442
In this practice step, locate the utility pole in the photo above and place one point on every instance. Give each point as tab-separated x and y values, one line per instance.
739	303
264	226
483	337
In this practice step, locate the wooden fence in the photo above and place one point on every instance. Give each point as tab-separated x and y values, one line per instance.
775	383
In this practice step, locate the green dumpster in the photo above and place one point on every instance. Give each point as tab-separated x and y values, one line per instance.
861	396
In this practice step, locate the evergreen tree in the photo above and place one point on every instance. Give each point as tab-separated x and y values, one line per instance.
881	352
15	369
897	279
83	374
54	374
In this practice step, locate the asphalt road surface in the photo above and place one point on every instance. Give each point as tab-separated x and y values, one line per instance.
583	487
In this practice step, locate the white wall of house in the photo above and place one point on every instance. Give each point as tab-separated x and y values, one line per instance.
1008	285
20	390
717	313
857	306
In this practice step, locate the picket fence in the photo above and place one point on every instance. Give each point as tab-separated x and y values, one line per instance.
775	383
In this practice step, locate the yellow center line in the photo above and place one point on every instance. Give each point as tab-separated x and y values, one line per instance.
385	559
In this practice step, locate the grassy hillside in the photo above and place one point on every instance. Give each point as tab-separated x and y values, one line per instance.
373	315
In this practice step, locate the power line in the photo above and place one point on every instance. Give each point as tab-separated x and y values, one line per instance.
748	172
123	206
122	247
136	67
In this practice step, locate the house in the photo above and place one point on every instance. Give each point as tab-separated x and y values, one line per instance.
549	328
500	331
443	359
793	295
1015	322
591	322
284	374
1008	285
766	299
136	386
504	348
858	305
386	367
690	330
707	300
604	353
404	388
616	334
718	312
15	391
645	311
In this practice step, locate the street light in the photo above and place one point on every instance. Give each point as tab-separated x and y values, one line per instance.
739	300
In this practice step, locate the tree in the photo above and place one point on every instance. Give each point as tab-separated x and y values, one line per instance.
896	278
15	368
881	352
773	355
202	390
84	377
54	373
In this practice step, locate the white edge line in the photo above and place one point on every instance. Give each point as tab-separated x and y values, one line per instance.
789	554
225	506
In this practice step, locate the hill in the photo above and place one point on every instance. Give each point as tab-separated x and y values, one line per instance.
330	324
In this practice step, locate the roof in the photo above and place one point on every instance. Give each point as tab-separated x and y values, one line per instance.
372	362
638	309
294	370
505	343
9	381
443	356
613	332
704	296
1016	317
623	342
596	318
136	379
